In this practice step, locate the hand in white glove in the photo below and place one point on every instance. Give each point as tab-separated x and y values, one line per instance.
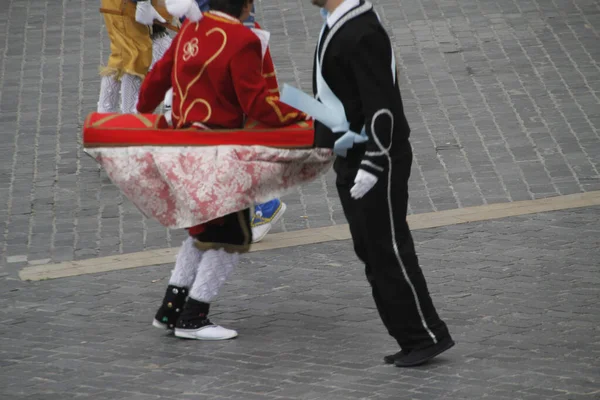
184	8
194	14
145	13
178	8
363	182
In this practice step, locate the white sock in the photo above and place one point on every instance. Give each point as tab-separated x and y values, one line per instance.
160	46
109	95
214	269
186	265
130	90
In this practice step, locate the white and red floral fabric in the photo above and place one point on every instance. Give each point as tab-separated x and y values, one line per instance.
182	187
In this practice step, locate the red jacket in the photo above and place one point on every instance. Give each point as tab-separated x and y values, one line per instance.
215	67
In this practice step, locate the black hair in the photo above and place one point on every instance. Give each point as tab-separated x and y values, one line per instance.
231	7
158	31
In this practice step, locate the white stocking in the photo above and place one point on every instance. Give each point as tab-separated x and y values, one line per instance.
109	95
186	265
130	90
160	45
214	269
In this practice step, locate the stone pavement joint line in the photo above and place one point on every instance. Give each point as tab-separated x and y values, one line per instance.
501	96
519	294
316	235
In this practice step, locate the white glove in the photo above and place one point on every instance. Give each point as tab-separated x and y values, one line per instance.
363	182
178	8
145	13
194	14
167	103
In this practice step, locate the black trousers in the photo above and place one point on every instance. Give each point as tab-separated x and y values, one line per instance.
382	240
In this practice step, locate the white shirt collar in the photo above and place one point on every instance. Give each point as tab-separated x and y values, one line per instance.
339	12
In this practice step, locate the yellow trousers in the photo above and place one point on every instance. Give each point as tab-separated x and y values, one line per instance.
130	42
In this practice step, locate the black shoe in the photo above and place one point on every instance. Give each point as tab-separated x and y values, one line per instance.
171	308
390	359
421	356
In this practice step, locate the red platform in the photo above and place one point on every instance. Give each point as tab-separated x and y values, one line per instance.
122	130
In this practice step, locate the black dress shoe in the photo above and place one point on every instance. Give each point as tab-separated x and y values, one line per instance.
421	356
390	359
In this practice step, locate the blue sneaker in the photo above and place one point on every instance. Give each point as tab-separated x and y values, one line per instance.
265	216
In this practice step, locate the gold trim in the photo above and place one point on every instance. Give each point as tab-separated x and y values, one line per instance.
110	145
183	114
143	119
276	90
210	60
269	75
250	130
157	121
268	220
206	103
87	123
282	118
244	225
99	123
190	49
252	124
181	34
229	248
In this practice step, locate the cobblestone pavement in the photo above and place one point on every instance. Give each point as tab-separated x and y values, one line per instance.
520	296
502	96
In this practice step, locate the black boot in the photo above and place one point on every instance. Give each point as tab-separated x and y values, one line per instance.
171	307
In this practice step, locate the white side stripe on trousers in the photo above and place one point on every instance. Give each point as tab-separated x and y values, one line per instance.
386	151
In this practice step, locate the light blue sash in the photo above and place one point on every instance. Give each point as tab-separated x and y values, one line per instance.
329	110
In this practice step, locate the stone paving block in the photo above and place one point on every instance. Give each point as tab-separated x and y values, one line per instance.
507	82
517	293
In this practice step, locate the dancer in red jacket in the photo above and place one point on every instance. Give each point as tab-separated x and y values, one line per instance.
215	67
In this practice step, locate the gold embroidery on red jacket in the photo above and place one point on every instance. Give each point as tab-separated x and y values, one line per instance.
182	117
272	101
190	49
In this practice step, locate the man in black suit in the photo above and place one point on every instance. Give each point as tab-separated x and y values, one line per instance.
355	73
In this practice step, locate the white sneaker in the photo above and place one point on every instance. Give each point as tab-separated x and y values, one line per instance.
160	325
259	232
208	332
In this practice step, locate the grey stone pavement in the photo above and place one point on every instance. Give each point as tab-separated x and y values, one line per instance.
520	296
503	97
504	100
